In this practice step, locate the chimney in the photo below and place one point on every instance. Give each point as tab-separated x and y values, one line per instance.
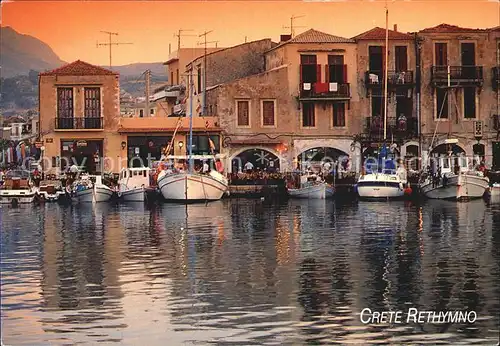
284	38
395	27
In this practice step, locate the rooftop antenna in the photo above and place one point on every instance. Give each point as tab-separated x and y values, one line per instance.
180	34
110	43
292	27
205	68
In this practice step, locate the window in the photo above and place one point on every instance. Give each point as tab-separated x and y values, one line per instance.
171	78
401	58
198	85
377	106
65	102
469	103
268	113
309	69
152	111
339	114
442	111
243	112
336	71
441	54
308	116
177	73
92	102
141	113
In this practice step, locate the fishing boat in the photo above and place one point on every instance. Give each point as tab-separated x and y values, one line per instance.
177	184
455	181
50	190
87	191
185	184
16	188
133	184
384	183
311	187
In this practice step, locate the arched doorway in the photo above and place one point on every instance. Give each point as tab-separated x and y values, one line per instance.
314	158
259	158
411	158
445	150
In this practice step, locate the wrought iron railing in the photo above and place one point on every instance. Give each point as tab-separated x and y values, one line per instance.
394	78
462	74
325	90
401	127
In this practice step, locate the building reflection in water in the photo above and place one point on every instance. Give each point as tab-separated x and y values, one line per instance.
244	271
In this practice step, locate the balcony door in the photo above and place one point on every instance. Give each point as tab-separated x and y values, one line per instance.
401	59
336	71
309	69
441	54
376	58
468	53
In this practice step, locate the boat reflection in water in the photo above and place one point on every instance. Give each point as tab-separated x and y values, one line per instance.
247	272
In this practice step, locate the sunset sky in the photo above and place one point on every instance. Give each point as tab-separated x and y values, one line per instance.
72	28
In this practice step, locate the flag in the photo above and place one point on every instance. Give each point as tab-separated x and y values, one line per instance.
212	145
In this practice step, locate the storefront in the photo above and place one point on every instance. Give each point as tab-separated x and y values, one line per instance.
86	154
140	148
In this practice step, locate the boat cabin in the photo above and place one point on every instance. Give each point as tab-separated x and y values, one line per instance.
16	180
452	164
135	177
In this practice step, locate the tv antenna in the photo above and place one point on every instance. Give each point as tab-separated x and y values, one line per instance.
180	34
110	43
292	27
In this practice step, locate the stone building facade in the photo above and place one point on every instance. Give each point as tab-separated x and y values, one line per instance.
468	110
79	118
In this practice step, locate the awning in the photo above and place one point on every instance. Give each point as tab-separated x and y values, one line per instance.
165	129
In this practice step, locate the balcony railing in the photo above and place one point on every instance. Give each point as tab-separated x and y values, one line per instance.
79	123
394	78
459	75
325	91
406	127
495	78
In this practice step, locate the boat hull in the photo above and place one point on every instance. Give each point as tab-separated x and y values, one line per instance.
191	187
84	196
320	191
458	187
50	197
16	196
137	194
102	193
380	186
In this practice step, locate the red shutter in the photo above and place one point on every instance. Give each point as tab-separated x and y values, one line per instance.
318	73
344	74
327	73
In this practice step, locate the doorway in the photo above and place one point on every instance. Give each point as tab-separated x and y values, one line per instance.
468	53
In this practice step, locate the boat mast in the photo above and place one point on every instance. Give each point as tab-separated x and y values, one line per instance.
386	66
191	119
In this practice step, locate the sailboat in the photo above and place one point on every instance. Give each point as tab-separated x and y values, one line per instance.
189	185
385	184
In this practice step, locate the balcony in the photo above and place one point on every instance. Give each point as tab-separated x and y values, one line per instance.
397	129
79	123
324	91
495	80
459	75
395	79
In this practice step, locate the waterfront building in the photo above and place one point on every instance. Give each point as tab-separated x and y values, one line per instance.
79	117
469	111
302	104
402	119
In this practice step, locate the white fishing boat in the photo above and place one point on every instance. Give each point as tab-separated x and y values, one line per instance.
386	184
50	190
16	188
455	181
133	184
88	192
186	184
311	187
177	186
102	192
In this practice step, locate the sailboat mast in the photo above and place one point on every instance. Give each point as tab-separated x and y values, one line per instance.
386	67
191	119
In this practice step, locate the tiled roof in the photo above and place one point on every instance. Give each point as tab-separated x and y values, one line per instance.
315	36
447	28
78	68
378	33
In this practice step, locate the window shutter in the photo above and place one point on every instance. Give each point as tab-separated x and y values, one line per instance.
344	74
318	73
300	71
327	73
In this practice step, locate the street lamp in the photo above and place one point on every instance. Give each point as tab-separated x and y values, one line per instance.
181	144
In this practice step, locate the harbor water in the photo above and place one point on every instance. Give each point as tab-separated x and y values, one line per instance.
248	272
